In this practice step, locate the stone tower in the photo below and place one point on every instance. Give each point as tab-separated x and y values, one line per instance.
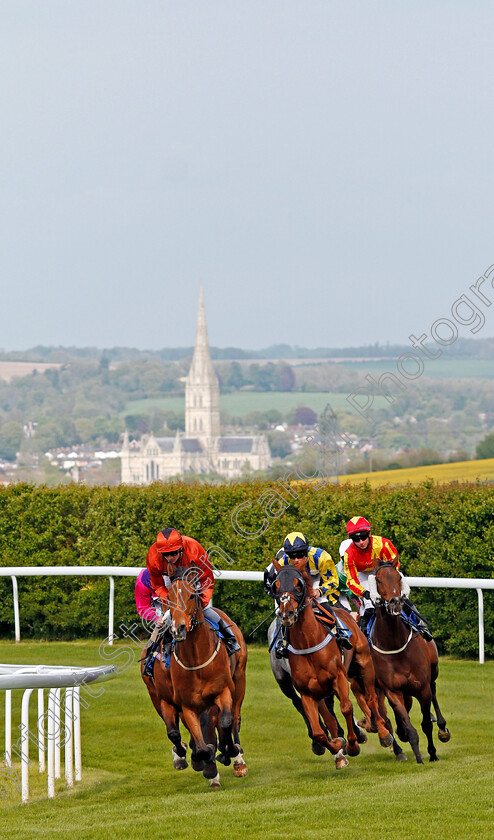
202	390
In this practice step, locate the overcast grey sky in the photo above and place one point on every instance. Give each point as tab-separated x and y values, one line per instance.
324	168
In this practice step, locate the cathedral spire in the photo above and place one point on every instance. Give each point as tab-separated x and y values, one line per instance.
202	393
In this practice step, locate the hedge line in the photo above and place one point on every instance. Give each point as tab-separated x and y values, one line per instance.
443	531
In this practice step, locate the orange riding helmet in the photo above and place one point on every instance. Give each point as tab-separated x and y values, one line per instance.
168	541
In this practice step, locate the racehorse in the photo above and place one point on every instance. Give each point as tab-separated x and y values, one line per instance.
202	686
406	665
315	663
360	670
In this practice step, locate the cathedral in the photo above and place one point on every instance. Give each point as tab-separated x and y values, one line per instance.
201	449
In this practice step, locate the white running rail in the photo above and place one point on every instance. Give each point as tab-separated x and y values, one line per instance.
49	734
111	572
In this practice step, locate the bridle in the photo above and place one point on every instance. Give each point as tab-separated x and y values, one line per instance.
191	621
289	596
391	604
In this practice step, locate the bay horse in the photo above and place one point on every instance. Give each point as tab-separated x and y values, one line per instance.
316	666
202	686
360	670
406	665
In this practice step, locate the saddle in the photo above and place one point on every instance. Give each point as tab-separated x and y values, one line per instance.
325	618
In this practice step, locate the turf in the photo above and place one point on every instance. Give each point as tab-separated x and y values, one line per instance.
129	789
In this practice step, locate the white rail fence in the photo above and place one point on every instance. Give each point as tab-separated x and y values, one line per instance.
111	572
50	733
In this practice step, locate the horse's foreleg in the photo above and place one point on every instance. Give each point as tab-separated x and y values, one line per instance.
443	732
224	701
341	688
425	705
239	766
311	710
398	752
368	681
403	720
203	752
179	748
359	695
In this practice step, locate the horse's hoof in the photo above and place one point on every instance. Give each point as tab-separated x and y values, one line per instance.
224	759
361	735
444	735
340	760
318	749
214	784
387	741
240	768
179	761
353	751
433	758
180	764
401	757
197	765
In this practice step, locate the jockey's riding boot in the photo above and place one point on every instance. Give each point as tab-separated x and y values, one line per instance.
280	649
148	669
364	619
229	636
424	630
418	621
342	639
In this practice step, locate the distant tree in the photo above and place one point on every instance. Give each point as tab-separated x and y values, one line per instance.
279	444
273	415
305	416
485	449
285	378
234	378
11	435
262	377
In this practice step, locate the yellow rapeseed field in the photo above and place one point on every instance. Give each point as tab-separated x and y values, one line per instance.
443	473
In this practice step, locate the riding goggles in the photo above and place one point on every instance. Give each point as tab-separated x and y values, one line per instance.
297	555
171	555
362	536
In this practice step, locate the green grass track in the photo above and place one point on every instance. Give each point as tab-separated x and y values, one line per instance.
130	790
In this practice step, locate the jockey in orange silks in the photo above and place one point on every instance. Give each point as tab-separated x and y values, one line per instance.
171	555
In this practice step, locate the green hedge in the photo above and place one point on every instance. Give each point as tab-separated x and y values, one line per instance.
441	531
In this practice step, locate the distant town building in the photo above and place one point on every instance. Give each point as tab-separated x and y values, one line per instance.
201	449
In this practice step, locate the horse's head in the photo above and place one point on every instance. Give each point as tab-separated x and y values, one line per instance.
184	602
388	588
289	589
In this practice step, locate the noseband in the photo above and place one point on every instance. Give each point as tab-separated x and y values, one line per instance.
391	604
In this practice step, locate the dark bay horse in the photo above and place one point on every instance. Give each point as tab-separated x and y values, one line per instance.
317	670
406	665
202	686
360	670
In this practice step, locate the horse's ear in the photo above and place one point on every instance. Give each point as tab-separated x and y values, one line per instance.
276	565
377	563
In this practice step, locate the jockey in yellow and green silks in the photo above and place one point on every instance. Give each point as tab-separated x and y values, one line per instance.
322	571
